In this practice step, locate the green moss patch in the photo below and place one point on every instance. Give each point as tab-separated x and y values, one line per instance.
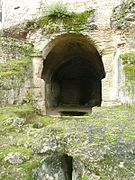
77	21
74	22
14	68
57	16
26	111
13	74
15	48
17	61
128	60
28	167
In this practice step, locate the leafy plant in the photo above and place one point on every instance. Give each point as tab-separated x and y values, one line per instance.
57	10
128	58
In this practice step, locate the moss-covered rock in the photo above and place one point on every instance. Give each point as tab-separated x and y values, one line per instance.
75	22
15	67
128	60
99	146
123	13
51	23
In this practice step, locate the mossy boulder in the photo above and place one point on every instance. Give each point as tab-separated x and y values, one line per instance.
100	146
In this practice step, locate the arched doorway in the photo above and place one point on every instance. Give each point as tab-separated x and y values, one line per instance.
73	71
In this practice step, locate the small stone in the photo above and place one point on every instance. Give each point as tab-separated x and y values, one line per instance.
121	165
95	177
11	140
38	125
15	158
18	121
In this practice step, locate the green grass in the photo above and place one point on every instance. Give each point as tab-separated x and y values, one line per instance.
15	110
25	111
57	10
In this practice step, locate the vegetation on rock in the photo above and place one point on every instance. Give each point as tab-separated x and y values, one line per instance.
57	10
15	65
57	15
128	60
125	7
69	21
55	18
120	14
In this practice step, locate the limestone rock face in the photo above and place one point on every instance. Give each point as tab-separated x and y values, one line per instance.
99	37
123	15
18	11
123	21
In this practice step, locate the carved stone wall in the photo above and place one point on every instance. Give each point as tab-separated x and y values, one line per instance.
106	39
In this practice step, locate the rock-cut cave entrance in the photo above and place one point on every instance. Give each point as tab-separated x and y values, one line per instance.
72	72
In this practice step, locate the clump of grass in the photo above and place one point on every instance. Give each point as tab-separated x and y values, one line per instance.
57	10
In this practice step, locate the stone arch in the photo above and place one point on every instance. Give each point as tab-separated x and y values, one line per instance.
72	72
56	38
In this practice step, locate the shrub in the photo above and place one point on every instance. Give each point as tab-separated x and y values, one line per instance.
57	10
128	58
